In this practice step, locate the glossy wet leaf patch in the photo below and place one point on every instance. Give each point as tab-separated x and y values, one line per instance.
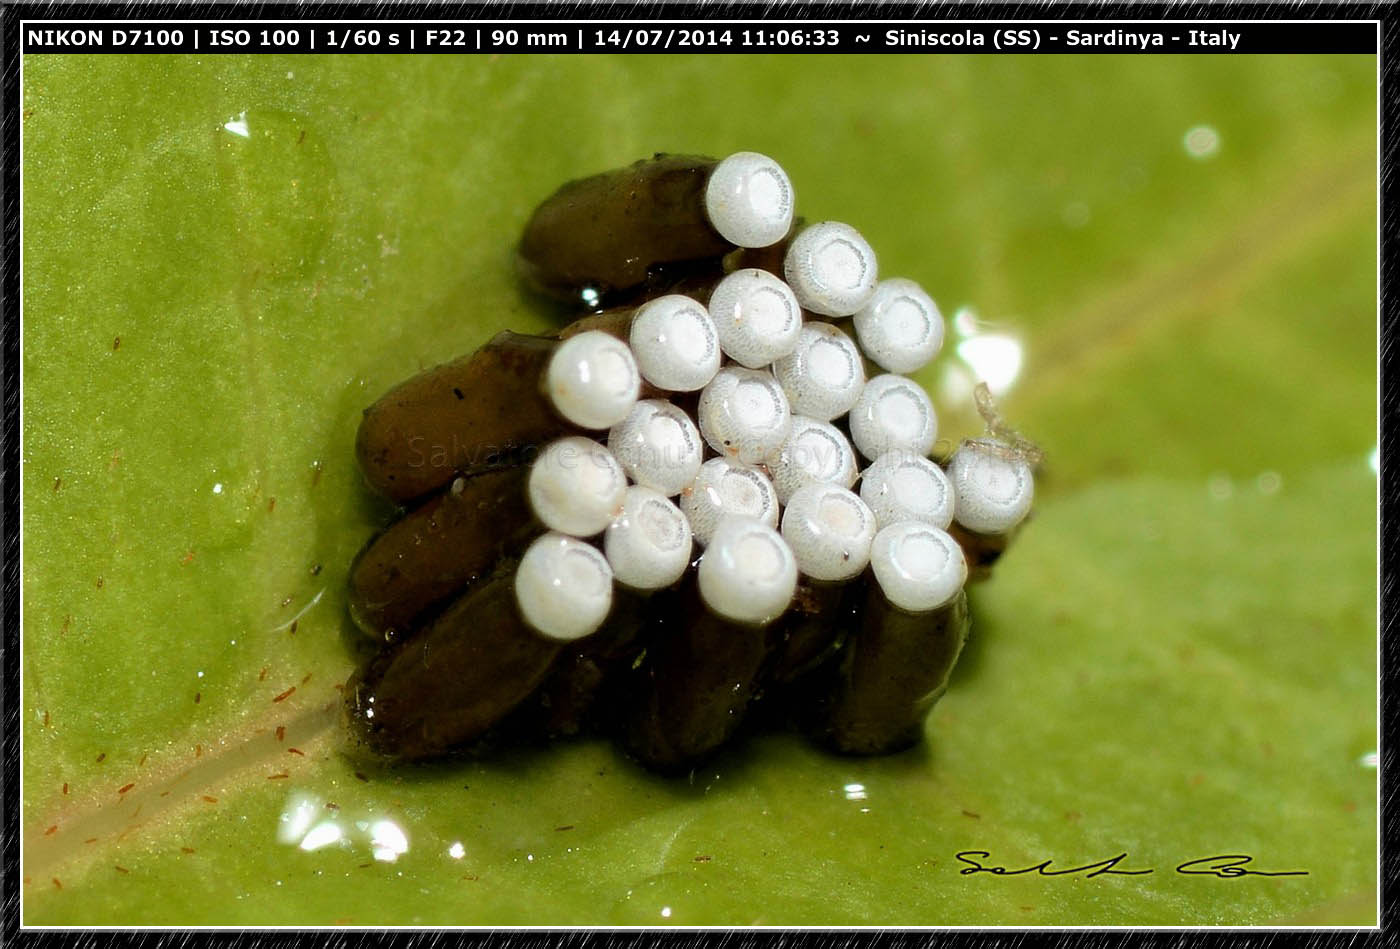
226	260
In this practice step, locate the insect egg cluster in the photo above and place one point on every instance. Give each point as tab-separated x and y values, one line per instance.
710	494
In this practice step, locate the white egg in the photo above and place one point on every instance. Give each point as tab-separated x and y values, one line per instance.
893	413
993	486
830	531
648	544
749	200
658	446
823	375
576	486
918	566
563	587
744	414
903	486
814	452
756	316
675	343
747	573
831	269
593	380
726	487
900	328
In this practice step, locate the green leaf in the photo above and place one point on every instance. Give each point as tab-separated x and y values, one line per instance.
227	258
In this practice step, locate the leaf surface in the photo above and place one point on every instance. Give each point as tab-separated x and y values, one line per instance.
227	258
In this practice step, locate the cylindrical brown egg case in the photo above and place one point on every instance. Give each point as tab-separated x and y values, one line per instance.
437	550
451	682
600	235
474	414
695	685
890	673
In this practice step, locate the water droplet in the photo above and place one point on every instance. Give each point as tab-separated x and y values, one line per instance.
996	360
965	321
387	840
1075	214
297	816
322	835
1201	142
276	181
238	126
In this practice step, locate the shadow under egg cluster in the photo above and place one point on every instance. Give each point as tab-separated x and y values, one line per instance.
648	525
